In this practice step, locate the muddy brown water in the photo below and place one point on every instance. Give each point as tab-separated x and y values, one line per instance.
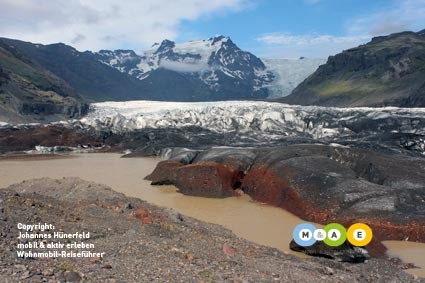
259	223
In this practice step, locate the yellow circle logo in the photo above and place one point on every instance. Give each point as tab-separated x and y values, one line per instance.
359	234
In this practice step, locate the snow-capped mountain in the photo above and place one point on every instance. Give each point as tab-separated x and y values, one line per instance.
289	73
216	66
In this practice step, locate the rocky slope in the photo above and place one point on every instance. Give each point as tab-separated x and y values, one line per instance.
29	92
144	243
389	70
90	78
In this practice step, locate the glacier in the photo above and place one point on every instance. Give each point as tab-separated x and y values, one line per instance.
250	117
155	125
289	73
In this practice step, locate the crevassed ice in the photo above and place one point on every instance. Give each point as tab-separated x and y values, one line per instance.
267	117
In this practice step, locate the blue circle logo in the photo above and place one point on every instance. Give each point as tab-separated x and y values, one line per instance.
304	234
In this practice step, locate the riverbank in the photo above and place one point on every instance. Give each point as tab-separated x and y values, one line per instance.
266	225
254	221
143	242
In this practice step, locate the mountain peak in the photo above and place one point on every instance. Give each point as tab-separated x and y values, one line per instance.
166	45
219	38
167	42
222	40
214	65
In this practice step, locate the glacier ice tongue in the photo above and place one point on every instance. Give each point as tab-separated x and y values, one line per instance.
255	116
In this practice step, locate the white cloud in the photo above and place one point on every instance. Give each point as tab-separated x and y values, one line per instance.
403	15
184	67
281	45
96	24
276	38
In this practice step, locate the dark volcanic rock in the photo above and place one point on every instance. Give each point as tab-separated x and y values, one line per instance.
27	137
319	183
325	184
164	173
344	253
182	155
215	172
234	158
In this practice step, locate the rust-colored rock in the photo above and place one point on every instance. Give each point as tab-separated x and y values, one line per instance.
190	256
263	185
228	250
147	220
141	213
215	172
207	179
164	173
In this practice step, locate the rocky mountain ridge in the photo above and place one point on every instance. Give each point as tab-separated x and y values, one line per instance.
29	92
93	80
387	71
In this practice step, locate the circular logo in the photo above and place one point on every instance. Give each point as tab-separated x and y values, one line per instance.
359	234
304	234
335	234
319	234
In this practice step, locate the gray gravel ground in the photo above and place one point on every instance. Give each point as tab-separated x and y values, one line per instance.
146	243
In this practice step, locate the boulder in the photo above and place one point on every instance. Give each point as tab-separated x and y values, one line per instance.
344	253
215	172
207	179
319	183
164	173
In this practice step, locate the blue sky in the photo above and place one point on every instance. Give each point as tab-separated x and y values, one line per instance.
267	28
294	25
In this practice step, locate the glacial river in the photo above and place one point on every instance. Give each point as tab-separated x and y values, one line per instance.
261	224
